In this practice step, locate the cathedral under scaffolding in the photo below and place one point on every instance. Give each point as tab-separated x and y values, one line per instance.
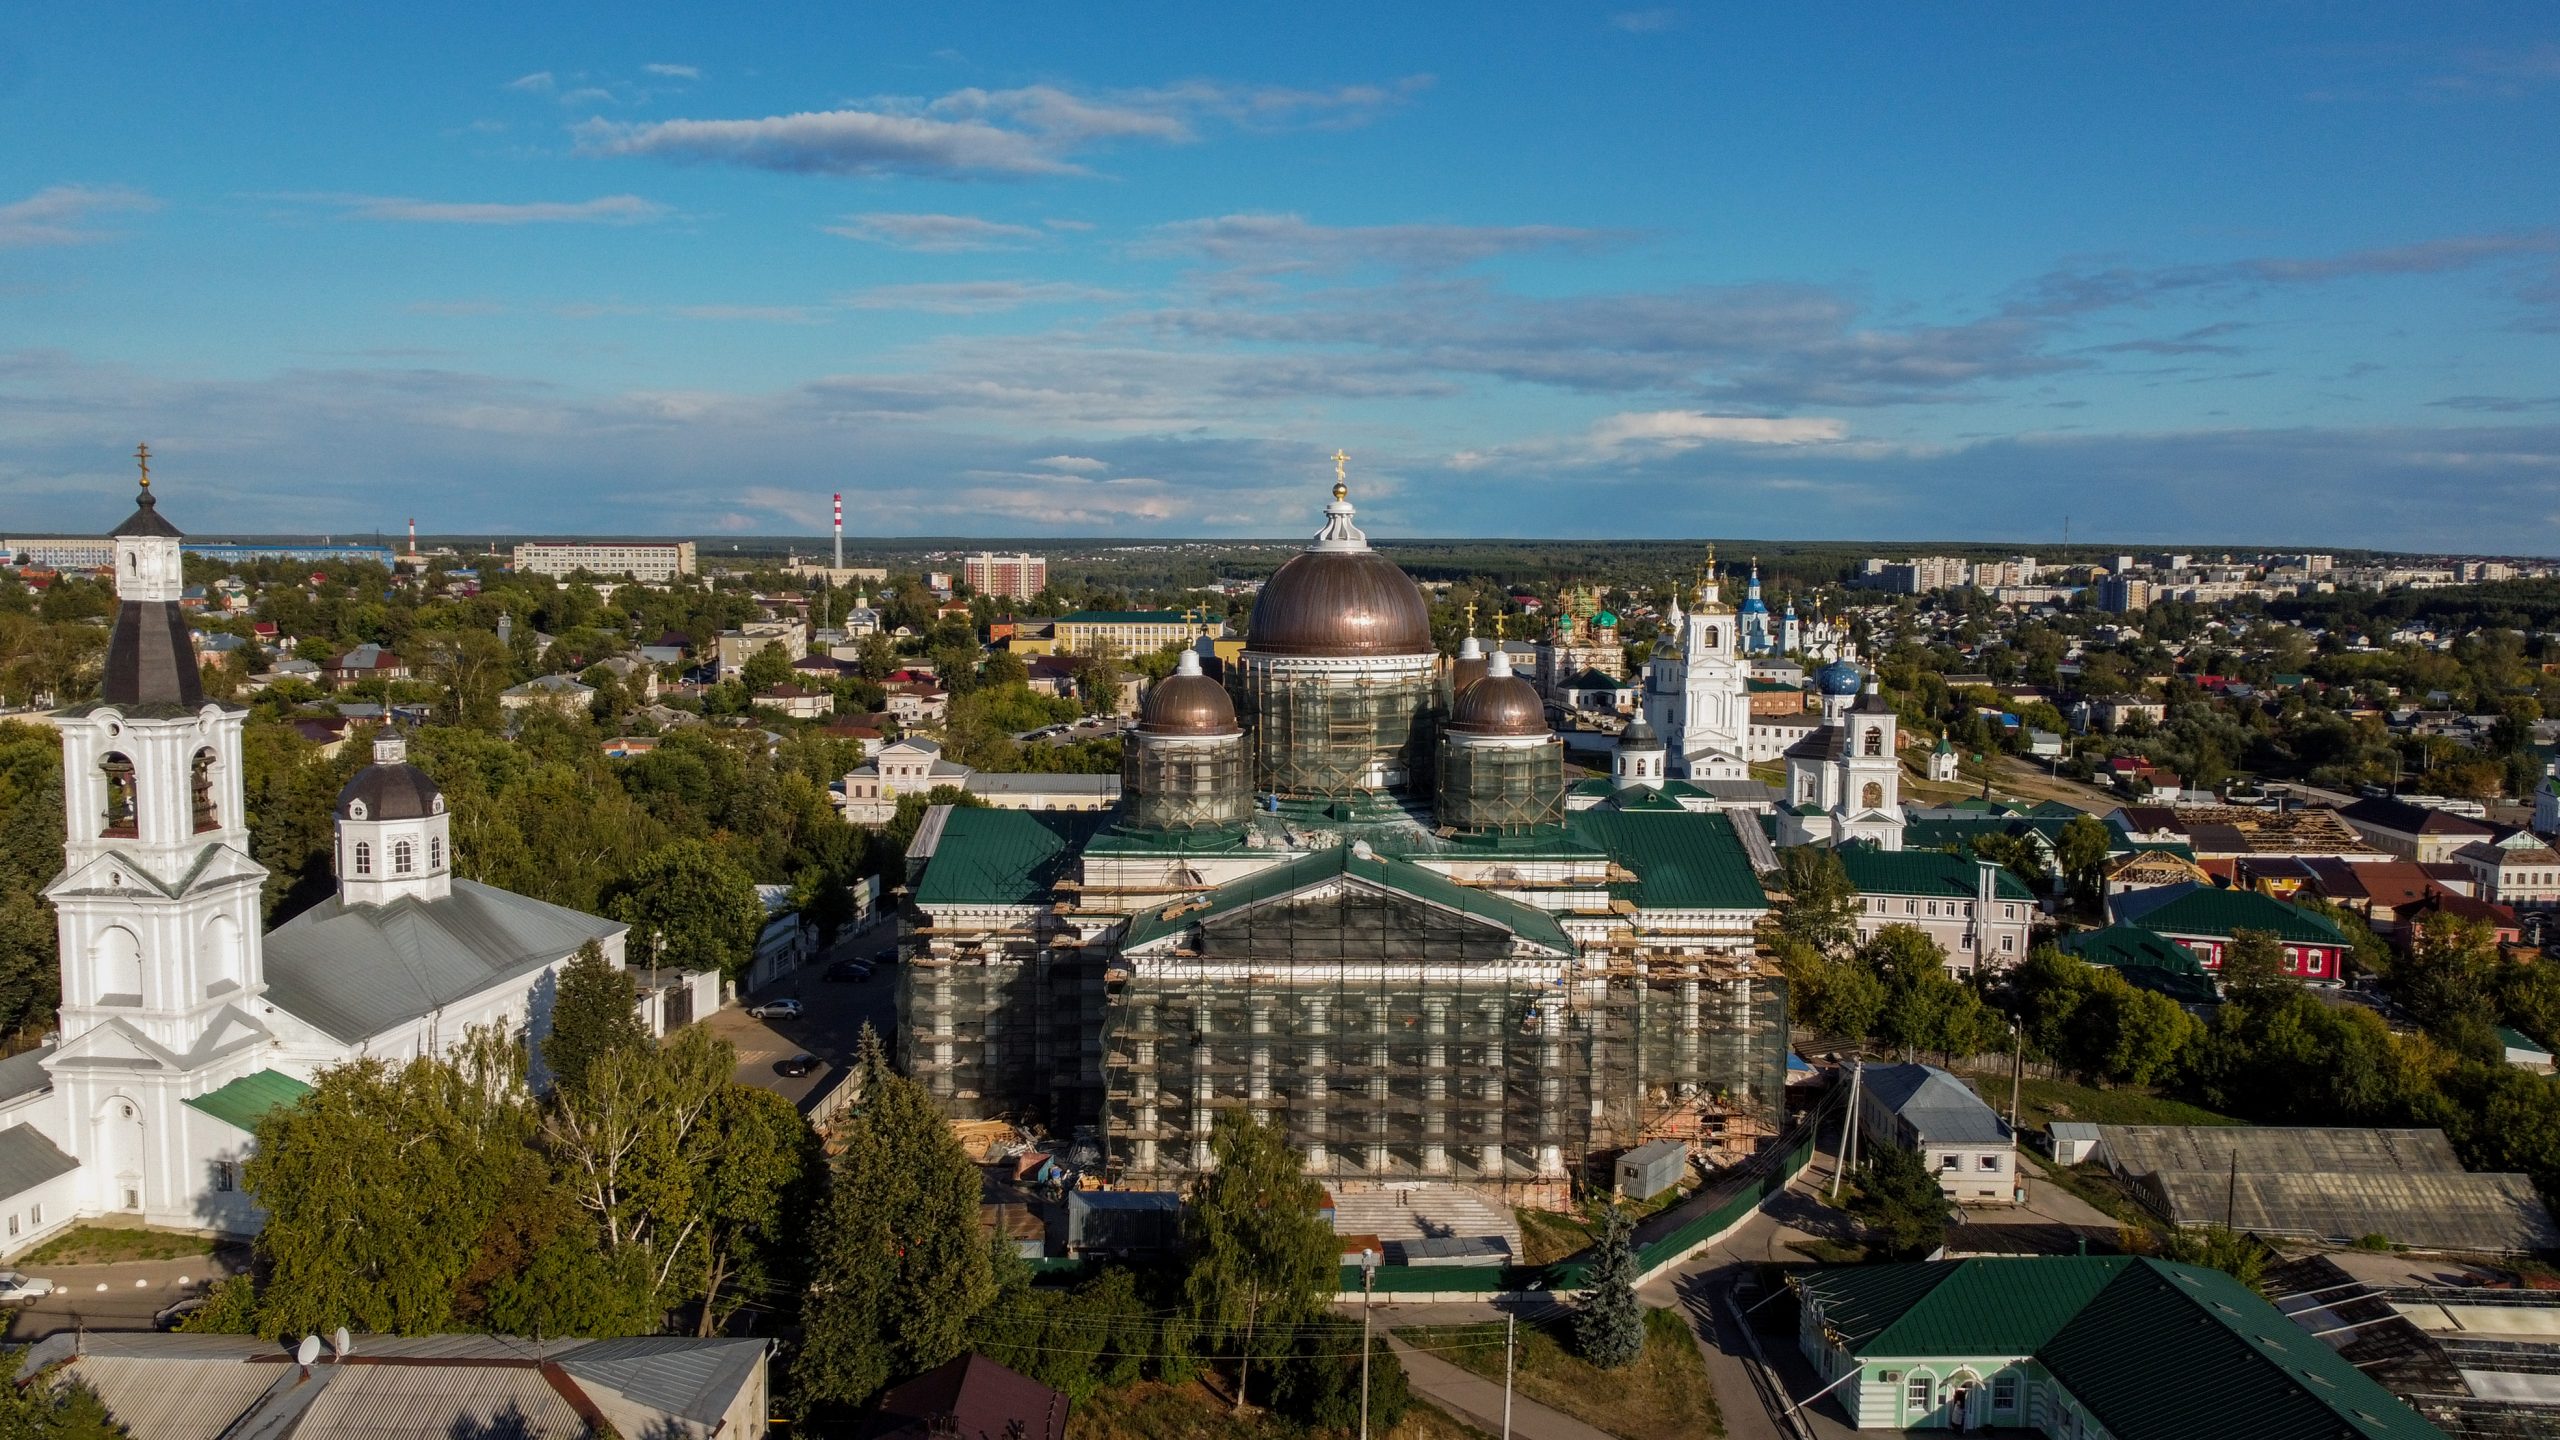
1346	901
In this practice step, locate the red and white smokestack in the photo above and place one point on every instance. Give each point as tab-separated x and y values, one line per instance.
413	534
839	529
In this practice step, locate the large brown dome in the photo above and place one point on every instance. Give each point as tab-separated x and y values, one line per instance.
1340	602
1187	702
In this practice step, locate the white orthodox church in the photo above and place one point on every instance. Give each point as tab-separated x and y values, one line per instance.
183	1020
1697	688
1843	780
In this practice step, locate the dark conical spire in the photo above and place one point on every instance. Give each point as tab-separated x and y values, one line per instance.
151	658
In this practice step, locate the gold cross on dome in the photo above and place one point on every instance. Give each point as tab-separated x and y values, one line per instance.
142	456
1471	617
1341	460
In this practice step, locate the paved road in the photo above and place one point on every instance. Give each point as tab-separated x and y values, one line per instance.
830	1029
1478	1401
117	1297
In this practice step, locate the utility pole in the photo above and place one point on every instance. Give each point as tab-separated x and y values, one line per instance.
1368	1276
1849	1133
2017	1069
1510	1329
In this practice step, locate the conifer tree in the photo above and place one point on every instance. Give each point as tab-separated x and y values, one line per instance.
1608	1326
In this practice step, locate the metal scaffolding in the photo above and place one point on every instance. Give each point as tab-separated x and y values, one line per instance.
1184	783
1395	1042
1324	735
1500	788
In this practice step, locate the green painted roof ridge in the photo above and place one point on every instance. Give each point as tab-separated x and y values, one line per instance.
243	1102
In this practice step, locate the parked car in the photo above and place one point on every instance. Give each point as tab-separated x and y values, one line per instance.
797	1065
886	957
176	1315
17	1289
777	1010
848	970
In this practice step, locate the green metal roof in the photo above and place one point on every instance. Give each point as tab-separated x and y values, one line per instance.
1003	857
2209	910
2150	1347
2515	1039
1401	877
1683	859
245	1101
1932	873
2148	959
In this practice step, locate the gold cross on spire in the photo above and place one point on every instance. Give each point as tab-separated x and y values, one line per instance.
1471	617
142	456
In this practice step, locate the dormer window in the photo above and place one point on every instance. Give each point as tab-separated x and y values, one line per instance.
355	810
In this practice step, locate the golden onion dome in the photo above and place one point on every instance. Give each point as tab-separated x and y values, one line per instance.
1187	702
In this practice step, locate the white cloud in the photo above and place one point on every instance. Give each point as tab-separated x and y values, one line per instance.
603	210
1645	22
588	95
1686	429
535	83
673	72
1079	464
933	234
60	214
1275	242
976	297
766	314
1028	130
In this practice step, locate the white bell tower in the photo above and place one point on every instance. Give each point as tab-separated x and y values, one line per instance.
158	903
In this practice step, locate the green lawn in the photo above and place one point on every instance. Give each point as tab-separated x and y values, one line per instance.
1547	1235
99	1245
1665	1395
2041	1102
1149	1411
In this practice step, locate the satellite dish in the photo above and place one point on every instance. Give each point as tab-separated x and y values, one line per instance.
308	1351
342	1342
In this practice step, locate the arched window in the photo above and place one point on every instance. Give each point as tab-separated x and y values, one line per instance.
1875	739
208	816
364	857
118	818
1873	799
435	852
404	857
115	959
1711	635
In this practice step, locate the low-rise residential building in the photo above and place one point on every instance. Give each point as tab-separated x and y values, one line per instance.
736	647
552	692
2205	918
2415	832
2521	877
1128	632
367	662
1931	1113
918	702
915	766
1977	912
796	702
2080	1347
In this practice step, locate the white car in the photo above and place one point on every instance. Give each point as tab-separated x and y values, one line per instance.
776	1010
17	1289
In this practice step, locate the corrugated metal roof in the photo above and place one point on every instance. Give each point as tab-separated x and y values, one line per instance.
696	1379
1940	1108
1922	872
28	1159
1400	877
1002	857
174	1399
435	1402
24	1074
2150	1347
357	970
1683	860
245	1101
2210	911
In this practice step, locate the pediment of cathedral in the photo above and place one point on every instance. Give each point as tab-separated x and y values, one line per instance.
113	1045
118	875
231	1030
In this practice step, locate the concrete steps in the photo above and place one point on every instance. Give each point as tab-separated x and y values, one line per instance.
1416	1212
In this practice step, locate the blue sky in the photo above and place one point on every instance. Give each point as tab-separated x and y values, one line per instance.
2246	274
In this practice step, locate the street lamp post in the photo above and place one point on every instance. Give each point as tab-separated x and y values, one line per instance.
1368	1275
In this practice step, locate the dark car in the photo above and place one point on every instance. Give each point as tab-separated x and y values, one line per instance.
797	1065
886	957
848	970
176	1315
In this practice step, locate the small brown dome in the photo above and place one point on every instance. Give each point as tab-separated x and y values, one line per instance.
1499	704
1187	702
1465	671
